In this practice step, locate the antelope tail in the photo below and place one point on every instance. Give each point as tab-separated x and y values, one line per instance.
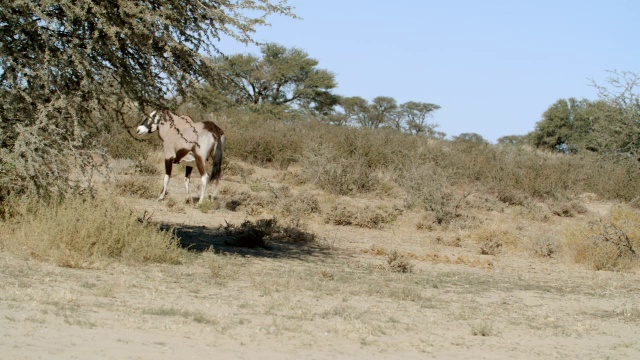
216	169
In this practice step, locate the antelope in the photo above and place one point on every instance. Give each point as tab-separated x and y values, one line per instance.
188	141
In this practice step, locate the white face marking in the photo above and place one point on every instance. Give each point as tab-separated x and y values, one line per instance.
142	130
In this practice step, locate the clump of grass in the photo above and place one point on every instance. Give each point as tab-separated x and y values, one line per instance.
610	243
195	316
206	206
482	329
397	262
493	239
81	232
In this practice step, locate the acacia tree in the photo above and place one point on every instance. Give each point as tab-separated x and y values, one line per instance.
382	111
620	132
356	110
69	67
281	77
415	116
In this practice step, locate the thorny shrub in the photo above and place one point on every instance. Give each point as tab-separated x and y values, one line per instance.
610	243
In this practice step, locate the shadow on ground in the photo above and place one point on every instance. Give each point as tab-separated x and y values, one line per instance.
263	238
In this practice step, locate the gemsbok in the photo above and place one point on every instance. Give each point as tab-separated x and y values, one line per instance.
186	140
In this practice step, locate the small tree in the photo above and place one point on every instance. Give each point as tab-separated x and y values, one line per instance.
621	131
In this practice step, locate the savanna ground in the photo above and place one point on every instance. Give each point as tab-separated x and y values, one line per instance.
281	266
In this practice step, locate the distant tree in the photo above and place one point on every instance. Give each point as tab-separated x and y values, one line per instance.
513	140
470	138
281	77
69	68
415	115
356	110
382	111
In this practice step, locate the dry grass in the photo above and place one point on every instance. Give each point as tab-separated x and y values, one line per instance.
85	233
140	187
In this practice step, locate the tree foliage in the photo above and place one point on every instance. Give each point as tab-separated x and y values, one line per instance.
571	125
281	77
513	140
609	125
416	114
69	68
473	138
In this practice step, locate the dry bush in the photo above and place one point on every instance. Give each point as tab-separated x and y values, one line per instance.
303	203
344	160
264	142
610	243
570	209
493	239
545	246
395	260
511	197
361	216
336	172
261	233
429	188
532	211
84	232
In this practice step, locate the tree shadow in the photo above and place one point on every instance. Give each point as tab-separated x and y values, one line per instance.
262	238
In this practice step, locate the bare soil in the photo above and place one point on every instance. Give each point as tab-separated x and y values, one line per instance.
335	298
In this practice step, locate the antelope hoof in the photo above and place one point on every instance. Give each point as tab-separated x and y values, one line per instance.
161	198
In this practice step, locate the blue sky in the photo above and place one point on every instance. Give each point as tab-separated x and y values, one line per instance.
493	66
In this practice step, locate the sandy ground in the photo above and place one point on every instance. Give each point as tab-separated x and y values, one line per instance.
334	299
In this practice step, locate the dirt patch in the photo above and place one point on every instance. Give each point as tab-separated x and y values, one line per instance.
334	297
